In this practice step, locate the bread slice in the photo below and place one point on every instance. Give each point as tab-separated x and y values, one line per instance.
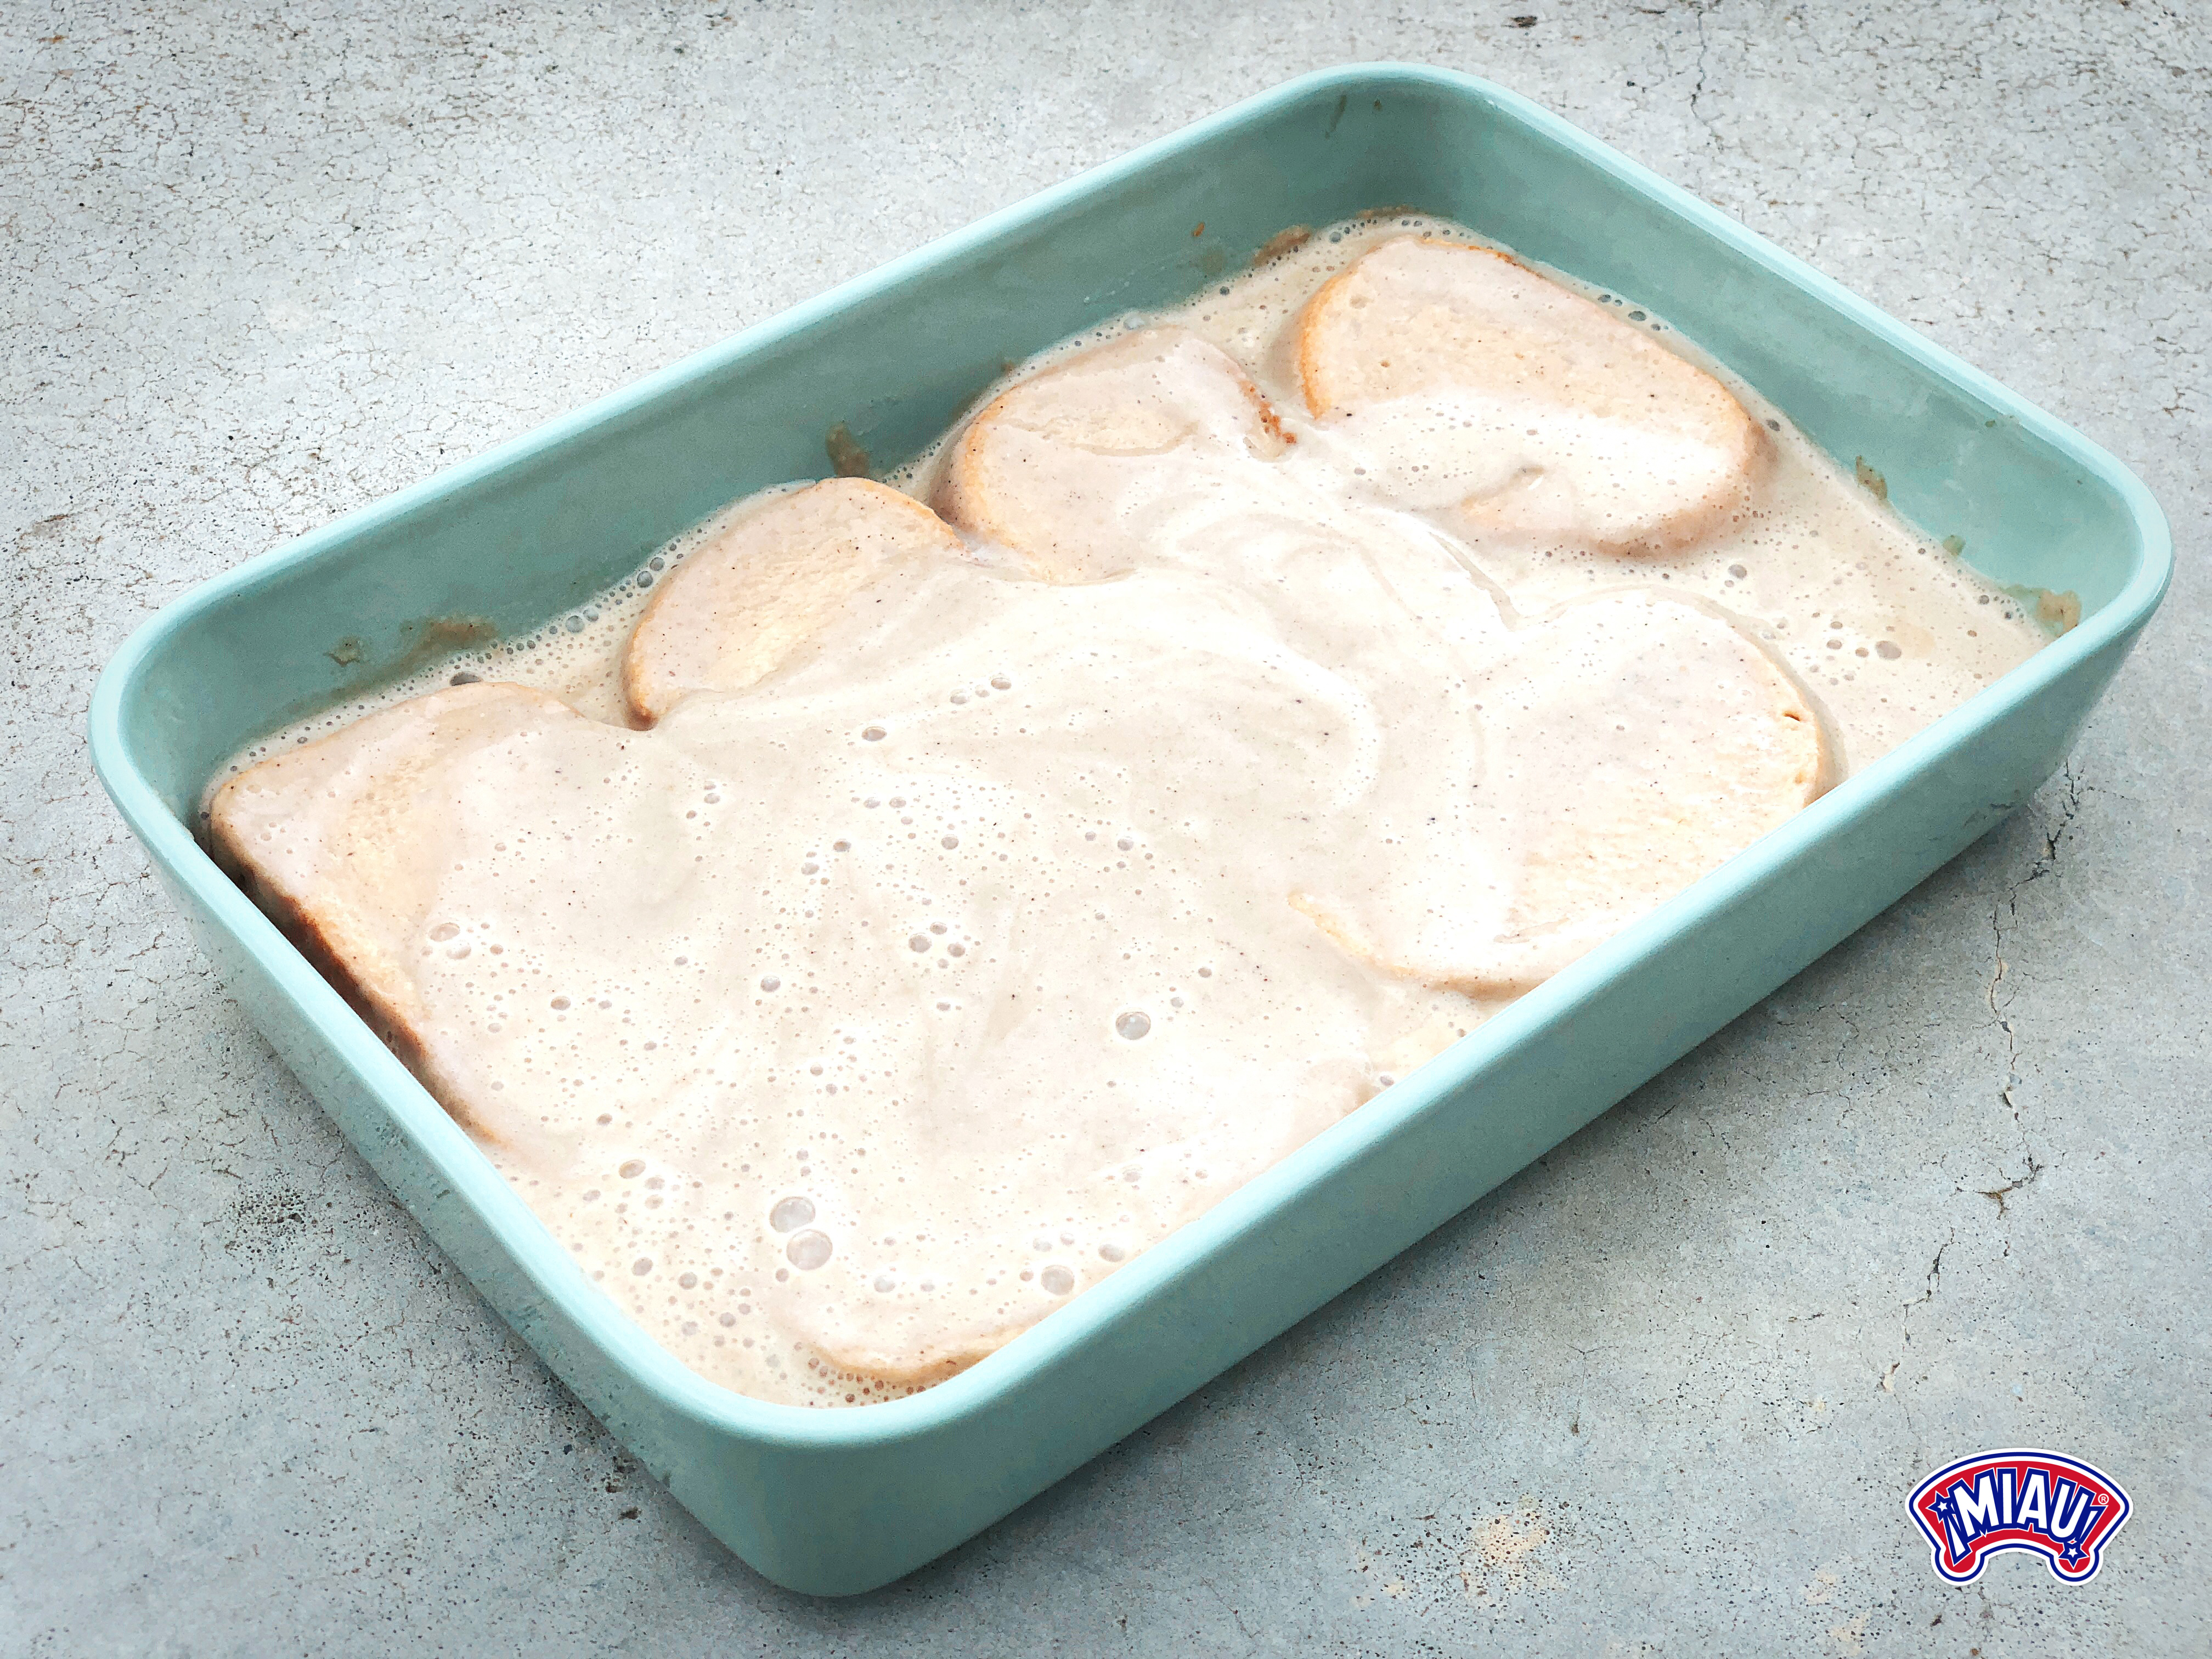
1047	469
737	609
1632	742
340	840
1610	441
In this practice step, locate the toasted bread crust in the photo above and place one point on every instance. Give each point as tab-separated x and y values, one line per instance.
328	949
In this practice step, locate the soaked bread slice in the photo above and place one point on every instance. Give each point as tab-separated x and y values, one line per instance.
1053	468
341	843
1633	744
1592	433
738	607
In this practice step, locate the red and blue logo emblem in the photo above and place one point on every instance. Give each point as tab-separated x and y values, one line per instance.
2064	1511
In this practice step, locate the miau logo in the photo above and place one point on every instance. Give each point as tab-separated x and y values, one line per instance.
2052	1506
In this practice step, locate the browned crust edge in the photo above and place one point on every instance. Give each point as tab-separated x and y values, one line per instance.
307	936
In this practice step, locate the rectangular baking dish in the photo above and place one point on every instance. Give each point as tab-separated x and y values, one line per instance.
837	1502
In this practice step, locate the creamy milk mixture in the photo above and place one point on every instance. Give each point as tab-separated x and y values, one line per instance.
845	1025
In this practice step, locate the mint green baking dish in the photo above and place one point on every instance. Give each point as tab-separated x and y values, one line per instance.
838	1501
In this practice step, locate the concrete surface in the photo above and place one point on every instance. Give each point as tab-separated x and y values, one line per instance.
1664	1394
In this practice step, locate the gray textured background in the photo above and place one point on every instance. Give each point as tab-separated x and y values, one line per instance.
1663	1394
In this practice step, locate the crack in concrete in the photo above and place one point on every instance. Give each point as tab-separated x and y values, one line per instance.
1698	91
1932	1281
2005	911
2000	1193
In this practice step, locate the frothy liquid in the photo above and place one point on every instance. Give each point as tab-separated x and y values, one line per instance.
845	1026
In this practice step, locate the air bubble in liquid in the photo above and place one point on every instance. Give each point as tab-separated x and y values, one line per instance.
872	734
1134	1025
771	983
808	1251
1057	1279
791	1213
